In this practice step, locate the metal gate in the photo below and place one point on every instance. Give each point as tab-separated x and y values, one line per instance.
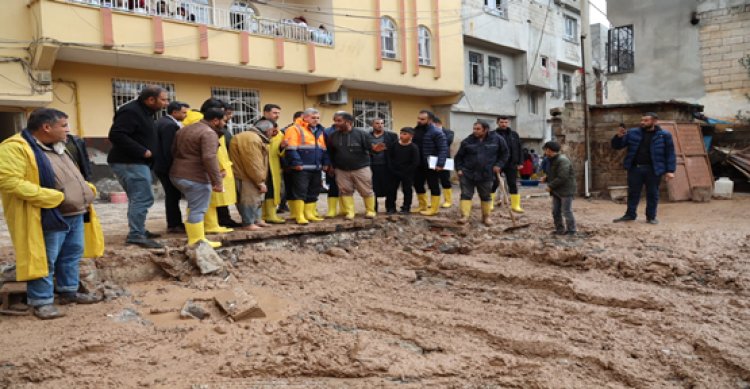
693	167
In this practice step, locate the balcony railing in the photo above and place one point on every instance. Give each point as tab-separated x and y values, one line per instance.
237	18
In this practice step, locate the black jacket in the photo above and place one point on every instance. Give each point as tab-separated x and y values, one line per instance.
76	148
166	130
132	133
561	178
475	159
513	141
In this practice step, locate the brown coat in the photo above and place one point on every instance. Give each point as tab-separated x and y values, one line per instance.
249	154
194	154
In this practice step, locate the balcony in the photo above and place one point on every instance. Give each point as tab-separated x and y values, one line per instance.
235	18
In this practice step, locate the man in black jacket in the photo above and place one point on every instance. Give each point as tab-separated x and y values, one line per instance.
381	176
134	142
445	175
513	141
166	129
480	159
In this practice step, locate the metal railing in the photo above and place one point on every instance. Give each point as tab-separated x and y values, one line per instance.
235	18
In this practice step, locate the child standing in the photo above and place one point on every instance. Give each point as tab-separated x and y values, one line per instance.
403	160
561	184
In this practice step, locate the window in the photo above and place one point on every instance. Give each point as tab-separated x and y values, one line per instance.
241	16
620	53
495	72
496	7
545	62
476	68
534	102
571	29
567	87
244	102
425	42
124	91
388	38
366	110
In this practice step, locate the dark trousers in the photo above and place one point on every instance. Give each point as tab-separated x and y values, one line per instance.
511	177
483	188
269	186
305	185
432	177
333	187
445	179
286	188
563	207
406	182
172	197
638	176
381	180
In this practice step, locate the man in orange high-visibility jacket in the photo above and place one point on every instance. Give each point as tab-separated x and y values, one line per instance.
305	157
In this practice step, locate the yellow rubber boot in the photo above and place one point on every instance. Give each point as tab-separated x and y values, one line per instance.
515	203
311	214
465	210
269	209
434	206
370	207
196	234
333	203
348	207
297	209
422	203
493	196
448	196
211	223
486	211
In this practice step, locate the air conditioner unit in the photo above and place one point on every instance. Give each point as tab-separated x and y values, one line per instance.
335	98
44	77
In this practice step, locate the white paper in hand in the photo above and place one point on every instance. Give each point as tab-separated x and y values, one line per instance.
432	163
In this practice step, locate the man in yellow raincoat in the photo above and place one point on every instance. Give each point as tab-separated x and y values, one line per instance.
44	198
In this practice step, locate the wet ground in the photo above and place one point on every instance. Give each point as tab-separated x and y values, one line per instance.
408	304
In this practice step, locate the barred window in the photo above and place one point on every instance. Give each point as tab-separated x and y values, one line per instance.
620	52
366	110
496	7
567	87
244	102
571	29
124	91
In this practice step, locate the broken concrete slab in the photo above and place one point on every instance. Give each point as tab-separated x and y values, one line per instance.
174	263
205	258
238	304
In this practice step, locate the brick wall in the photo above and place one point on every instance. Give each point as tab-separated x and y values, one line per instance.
725	39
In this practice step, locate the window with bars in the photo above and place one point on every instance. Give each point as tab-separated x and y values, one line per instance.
620	51
367	110
534	102
244	102
476	68
124	91
425	43
388	38
496	7
495	72
571	29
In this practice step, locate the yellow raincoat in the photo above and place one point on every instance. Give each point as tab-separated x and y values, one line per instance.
23	198
274	160
229	196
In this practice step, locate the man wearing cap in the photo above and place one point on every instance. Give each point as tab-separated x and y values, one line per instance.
561	184
650	156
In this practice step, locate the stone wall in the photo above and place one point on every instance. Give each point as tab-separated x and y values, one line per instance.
725	40
606	163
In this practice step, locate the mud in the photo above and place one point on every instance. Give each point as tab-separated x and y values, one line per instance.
408	304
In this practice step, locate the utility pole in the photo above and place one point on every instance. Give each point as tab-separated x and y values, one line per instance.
586	130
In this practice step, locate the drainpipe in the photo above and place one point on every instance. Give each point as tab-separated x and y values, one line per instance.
77	101
586	130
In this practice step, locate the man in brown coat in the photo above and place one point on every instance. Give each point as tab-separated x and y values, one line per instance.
249	154
195	169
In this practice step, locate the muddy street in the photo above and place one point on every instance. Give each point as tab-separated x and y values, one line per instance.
409	302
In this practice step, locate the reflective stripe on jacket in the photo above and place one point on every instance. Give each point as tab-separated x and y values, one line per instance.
305	147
